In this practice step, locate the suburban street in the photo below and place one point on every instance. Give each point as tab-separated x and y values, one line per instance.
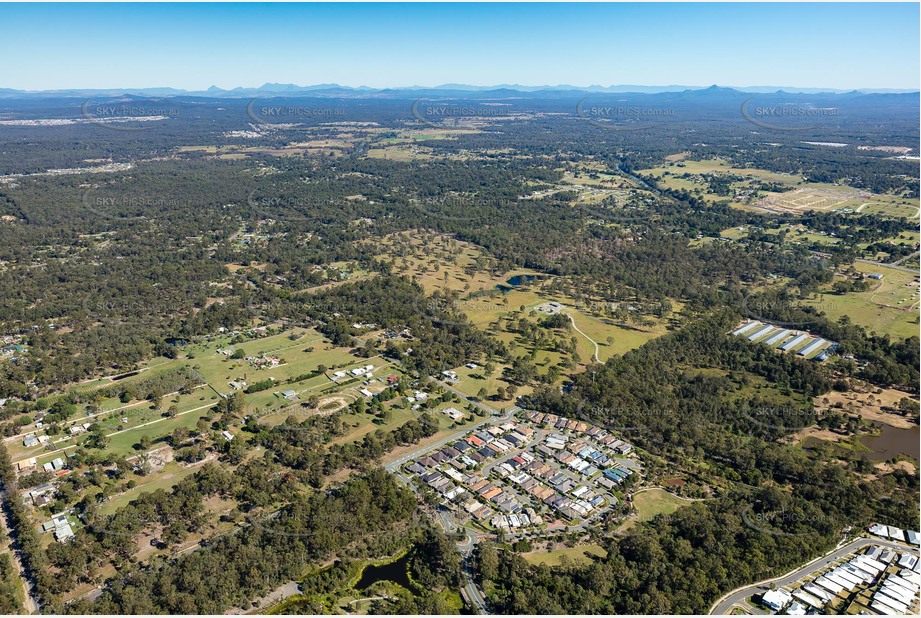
724	604
469	590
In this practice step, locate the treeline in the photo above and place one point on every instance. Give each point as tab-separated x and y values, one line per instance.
303	446
785	506
24	535
10	586
232	570
442	336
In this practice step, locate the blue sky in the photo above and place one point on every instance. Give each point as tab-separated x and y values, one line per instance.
193	46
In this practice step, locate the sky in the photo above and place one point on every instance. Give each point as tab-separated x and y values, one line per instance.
194	46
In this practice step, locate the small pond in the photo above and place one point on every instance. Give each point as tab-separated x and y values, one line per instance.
892	442
395	572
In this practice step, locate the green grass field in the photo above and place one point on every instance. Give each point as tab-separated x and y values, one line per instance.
890	306
580	554
652	502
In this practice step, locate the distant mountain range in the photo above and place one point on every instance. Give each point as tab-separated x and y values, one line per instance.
335	90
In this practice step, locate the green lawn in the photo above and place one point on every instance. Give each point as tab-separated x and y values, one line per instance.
578	554
655	501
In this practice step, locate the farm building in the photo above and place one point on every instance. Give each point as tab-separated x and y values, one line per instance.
794	342
761	332
747	327
812	347
778	337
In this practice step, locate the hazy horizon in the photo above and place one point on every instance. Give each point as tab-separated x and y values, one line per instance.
839	46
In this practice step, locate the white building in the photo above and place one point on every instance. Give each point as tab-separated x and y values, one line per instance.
776	599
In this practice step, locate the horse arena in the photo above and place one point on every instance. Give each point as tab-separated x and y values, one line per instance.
803	200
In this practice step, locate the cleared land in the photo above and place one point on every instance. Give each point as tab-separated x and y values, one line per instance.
890	306
554	557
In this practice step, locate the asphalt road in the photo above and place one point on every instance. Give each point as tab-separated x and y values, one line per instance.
469	590
881	265
724	604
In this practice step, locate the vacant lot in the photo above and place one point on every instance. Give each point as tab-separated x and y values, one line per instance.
577	554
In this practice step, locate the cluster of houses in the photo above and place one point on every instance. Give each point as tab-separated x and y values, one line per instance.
599	435
515	469
9	352
41	496
76	430
32	440
451	375
263	362
62	529
55	465
454	414
894	576
450	471
896	534
358	372
551	308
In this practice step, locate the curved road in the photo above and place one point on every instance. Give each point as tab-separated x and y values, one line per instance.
593	342
469	589
725	603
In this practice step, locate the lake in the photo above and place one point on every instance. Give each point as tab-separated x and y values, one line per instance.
395	572
513	282
892	442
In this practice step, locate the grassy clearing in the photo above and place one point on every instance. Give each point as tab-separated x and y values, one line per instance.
652	502
580	554
890	306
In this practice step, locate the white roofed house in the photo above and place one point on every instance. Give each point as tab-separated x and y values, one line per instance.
776	599
896	534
